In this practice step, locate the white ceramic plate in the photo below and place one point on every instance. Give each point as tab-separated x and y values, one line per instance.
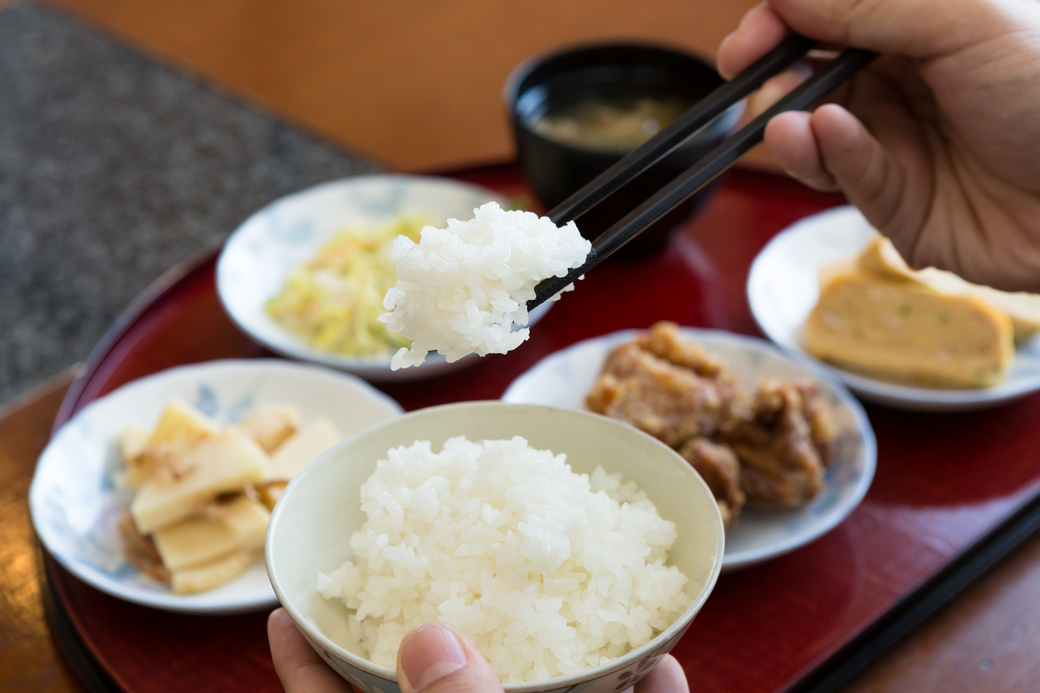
288	232
562	379
75	502
783	288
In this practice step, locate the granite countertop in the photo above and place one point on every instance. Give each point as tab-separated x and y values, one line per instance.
114	168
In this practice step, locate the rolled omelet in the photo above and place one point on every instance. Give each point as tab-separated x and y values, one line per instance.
882	258
900	329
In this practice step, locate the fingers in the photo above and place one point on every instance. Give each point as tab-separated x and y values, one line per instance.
433	658
759	31
436	658
831	150
298	666
667	677
790	139
773	89
918	29
914	28
860	165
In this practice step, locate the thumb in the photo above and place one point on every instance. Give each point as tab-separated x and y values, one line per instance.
436	658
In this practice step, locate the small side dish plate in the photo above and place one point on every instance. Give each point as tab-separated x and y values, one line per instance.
783	288
287	233
76	503
564	378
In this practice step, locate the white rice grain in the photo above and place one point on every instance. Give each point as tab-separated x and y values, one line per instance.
547	571
461	288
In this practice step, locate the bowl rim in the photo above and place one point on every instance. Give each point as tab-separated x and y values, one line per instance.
675	629
511	89
530	63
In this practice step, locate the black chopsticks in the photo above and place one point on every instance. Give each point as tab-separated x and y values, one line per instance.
825	80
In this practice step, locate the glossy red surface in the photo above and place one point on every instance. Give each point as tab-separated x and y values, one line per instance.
942	480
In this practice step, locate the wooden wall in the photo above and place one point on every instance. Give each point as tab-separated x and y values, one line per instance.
415	84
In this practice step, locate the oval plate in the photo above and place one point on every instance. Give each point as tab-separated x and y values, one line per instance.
783	288
287	233
75	501
562	379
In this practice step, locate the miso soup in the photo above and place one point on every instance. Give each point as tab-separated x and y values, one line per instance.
610	124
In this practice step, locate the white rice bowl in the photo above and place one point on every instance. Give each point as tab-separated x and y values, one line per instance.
461	289
310	528
549	572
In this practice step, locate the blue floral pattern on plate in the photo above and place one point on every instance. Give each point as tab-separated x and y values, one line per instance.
76	501
289	231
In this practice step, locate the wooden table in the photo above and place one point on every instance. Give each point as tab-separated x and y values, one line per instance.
29	659
436	106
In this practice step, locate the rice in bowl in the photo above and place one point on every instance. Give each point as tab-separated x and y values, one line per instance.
547	571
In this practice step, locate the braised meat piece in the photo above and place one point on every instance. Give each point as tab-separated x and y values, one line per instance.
781	464
772	395
625	361
768	448
667	401
821	423
663	341
720	469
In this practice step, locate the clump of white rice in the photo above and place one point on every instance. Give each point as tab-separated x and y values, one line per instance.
460	289
547	571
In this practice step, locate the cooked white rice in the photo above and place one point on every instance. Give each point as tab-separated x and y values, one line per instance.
460	289
547	571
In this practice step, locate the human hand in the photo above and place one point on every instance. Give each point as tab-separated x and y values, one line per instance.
937	142
433	658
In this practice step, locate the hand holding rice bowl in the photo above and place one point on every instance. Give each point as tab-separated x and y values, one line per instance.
311	525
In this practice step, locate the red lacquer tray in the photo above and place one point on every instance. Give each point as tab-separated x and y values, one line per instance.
943	481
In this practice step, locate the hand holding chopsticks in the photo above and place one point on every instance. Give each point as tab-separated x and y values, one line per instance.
714	163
